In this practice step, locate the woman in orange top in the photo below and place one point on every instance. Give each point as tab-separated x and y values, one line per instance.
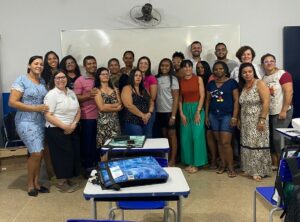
192	132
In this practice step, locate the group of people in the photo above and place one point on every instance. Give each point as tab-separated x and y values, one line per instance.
67	117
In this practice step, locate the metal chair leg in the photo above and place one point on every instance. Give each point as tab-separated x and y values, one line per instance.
254	207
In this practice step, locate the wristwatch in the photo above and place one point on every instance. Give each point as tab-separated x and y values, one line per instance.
173	117
262	122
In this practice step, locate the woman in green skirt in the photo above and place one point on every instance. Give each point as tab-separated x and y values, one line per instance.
192	131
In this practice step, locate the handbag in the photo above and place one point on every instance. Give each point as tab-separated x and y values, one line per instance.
117	173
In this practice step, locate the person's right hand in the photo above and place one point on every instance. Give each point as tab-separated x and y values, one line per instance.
69	128
207	123
146	117
93	92
42	108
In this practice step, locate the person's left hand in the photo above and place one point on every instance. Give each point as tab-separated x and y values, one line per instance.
261	126
282	115
197	117
233	122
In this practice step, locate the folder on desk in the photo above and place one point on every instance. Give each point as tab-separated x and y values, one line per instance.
129	142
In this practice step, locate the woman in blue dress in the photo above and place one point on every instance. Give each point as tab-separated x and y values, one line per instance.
27	94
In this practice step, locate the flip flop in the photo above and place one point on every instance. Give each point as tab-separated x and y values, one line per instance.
193	170
221	170
232	174
188	168
257	178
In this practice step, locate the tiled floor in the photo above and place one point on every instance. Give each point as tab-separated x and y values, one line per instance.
213	198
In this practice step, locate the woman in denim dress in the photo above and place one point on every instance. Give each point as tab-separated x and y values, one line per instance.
27	94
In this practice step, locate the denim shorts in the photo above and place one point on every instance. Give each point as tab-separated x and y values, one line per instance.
220	122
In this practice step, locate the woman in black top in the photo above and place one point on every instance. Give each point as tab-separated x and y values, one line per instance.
138	104
70	66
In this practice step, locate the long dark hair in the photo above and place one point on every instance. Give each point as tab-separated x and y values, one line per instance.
207	72
51	82
142	88
242	81
62	65
47	72
31	59
97	78
148	71
171	71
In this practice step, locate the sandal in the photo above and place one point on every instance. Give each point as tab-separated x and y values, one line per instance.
193	170
221	170
232	174
213	166
188	168
257	178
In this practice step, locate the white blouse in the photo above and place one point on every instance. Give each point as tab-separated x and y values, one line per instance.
64	106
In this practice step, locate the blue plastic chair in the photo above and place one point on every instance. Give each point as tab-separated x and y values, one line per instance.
144	205
266	193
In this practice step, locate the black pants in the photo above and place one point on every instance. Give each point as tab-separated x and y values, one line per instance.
64	151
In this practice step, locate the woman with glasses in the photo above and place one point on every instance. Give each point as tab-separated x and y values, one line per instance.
108	103
280	84
62	132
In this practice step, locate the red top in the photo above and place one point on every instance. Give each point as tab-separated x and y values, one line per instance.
190	89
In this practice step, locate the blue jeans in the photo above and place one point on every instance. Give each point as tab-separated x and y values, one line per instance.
220	122
149	126
136	130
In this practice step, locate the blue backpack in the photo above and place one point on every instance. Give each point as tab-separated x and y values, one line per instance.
287	183
117	173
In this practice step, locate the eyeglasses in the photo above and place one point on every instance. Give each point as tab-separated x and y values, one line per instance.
269	62
60	78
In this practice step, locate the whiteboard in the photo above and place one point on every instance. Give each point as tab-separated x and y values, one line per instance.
156	43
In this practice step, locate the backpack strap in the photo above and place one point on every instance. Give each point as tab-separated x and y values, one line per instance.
293	167
113	182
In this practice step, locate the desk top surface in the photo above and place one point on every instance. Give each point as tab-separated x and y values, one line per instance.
150	144
175	186
290	133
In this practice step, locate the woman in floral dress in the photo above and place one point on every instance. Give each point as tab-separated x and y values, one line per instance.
254	101
109	103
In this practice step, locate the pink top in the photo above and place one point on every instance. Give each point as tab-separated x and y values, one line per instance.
149	81
82	86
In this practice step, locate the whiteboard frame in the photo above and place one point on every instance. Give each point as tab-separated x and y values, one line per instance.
156	43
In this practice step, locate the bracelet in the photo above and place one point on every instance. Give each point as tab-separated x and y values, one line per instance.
173	117
262	118
233	118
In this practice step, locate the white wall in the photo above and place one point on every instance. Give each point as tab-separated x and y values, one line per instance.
33	27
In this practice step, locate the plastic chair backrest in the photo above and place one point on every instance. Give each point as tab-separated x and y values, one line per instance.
10	127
